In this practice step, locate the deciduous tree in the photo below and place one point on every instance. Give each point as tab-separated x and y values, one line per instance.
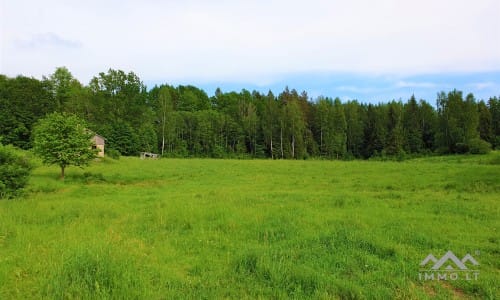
63	140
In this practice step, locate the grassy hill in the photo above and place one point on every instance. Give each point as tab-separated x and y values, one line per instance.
201	228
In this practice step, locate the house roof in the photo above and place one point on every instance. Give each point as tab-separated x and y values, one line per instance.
95	134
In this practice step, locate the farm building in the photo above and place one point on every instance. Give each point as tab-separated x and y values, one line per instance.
99	142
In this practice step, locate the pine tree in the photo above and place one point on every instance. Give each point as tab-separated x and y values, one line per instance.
394	143
412	128
354	128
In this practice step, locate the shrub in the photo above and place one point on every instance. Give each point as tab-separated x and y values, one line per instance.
461	148
478	146
15	169
114	154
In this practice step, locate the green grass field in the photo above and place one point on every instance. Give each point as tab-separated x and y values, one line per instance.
211	229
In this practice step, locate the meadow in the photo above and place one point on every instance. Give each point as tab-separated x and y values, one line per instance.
251	229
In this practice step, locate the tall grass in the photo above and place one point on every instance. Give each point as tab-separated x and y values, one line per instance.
201	228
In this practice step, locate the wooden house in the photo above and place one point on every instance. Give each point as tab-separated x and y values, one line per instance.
99	142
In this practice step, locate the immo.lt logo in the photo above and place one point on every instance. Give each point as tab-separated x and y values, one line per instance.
449	267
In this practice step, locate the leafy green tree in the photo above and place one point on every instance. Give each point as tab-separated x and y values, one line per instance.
175	135
62	85
494	108
122	111
307	108
64	140
470	118
164	107
295	127
322	122
123	137
23	101
249	122
184	121
339	126
147	139
192	99
485	123
270	123
293	124
331	127
458	121
121	96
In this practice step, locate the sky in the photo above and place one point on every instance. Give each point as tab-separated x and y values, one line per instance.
372	51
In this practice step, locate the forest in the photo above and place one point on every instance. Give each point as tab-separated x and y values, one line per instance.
184	121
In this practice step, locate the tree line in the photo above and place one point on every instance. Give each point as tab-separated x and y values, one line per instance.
184	121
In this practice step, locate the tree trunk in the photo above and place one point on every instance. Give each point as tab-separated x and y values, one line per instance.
163	132
62	172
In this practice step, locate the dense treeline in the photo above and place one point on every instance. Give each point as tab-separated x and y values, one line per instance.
184	121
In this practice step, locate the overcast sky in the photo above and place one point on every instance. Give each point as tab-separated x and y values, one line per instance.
350	49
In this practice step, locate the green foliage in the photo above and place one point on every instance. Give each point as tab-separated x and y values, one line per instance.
63	140
15	168
112	153
122	137
63	88
395	139
192	99
413	136
354	114
23	101
375	130
485	123
478	146
458	121
494	109
428	121
184	121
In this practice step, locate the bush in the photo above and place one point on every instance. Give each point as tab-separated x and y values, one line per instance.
114	154
15	169
461	148
478	146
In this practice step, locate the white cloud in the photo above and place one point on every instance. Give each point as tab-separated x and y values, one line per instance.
253	41
49	39
483	85
357	90
414	84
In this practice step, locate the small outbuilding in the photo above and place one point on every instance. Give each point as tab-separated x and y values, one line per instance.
149	155
99	142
